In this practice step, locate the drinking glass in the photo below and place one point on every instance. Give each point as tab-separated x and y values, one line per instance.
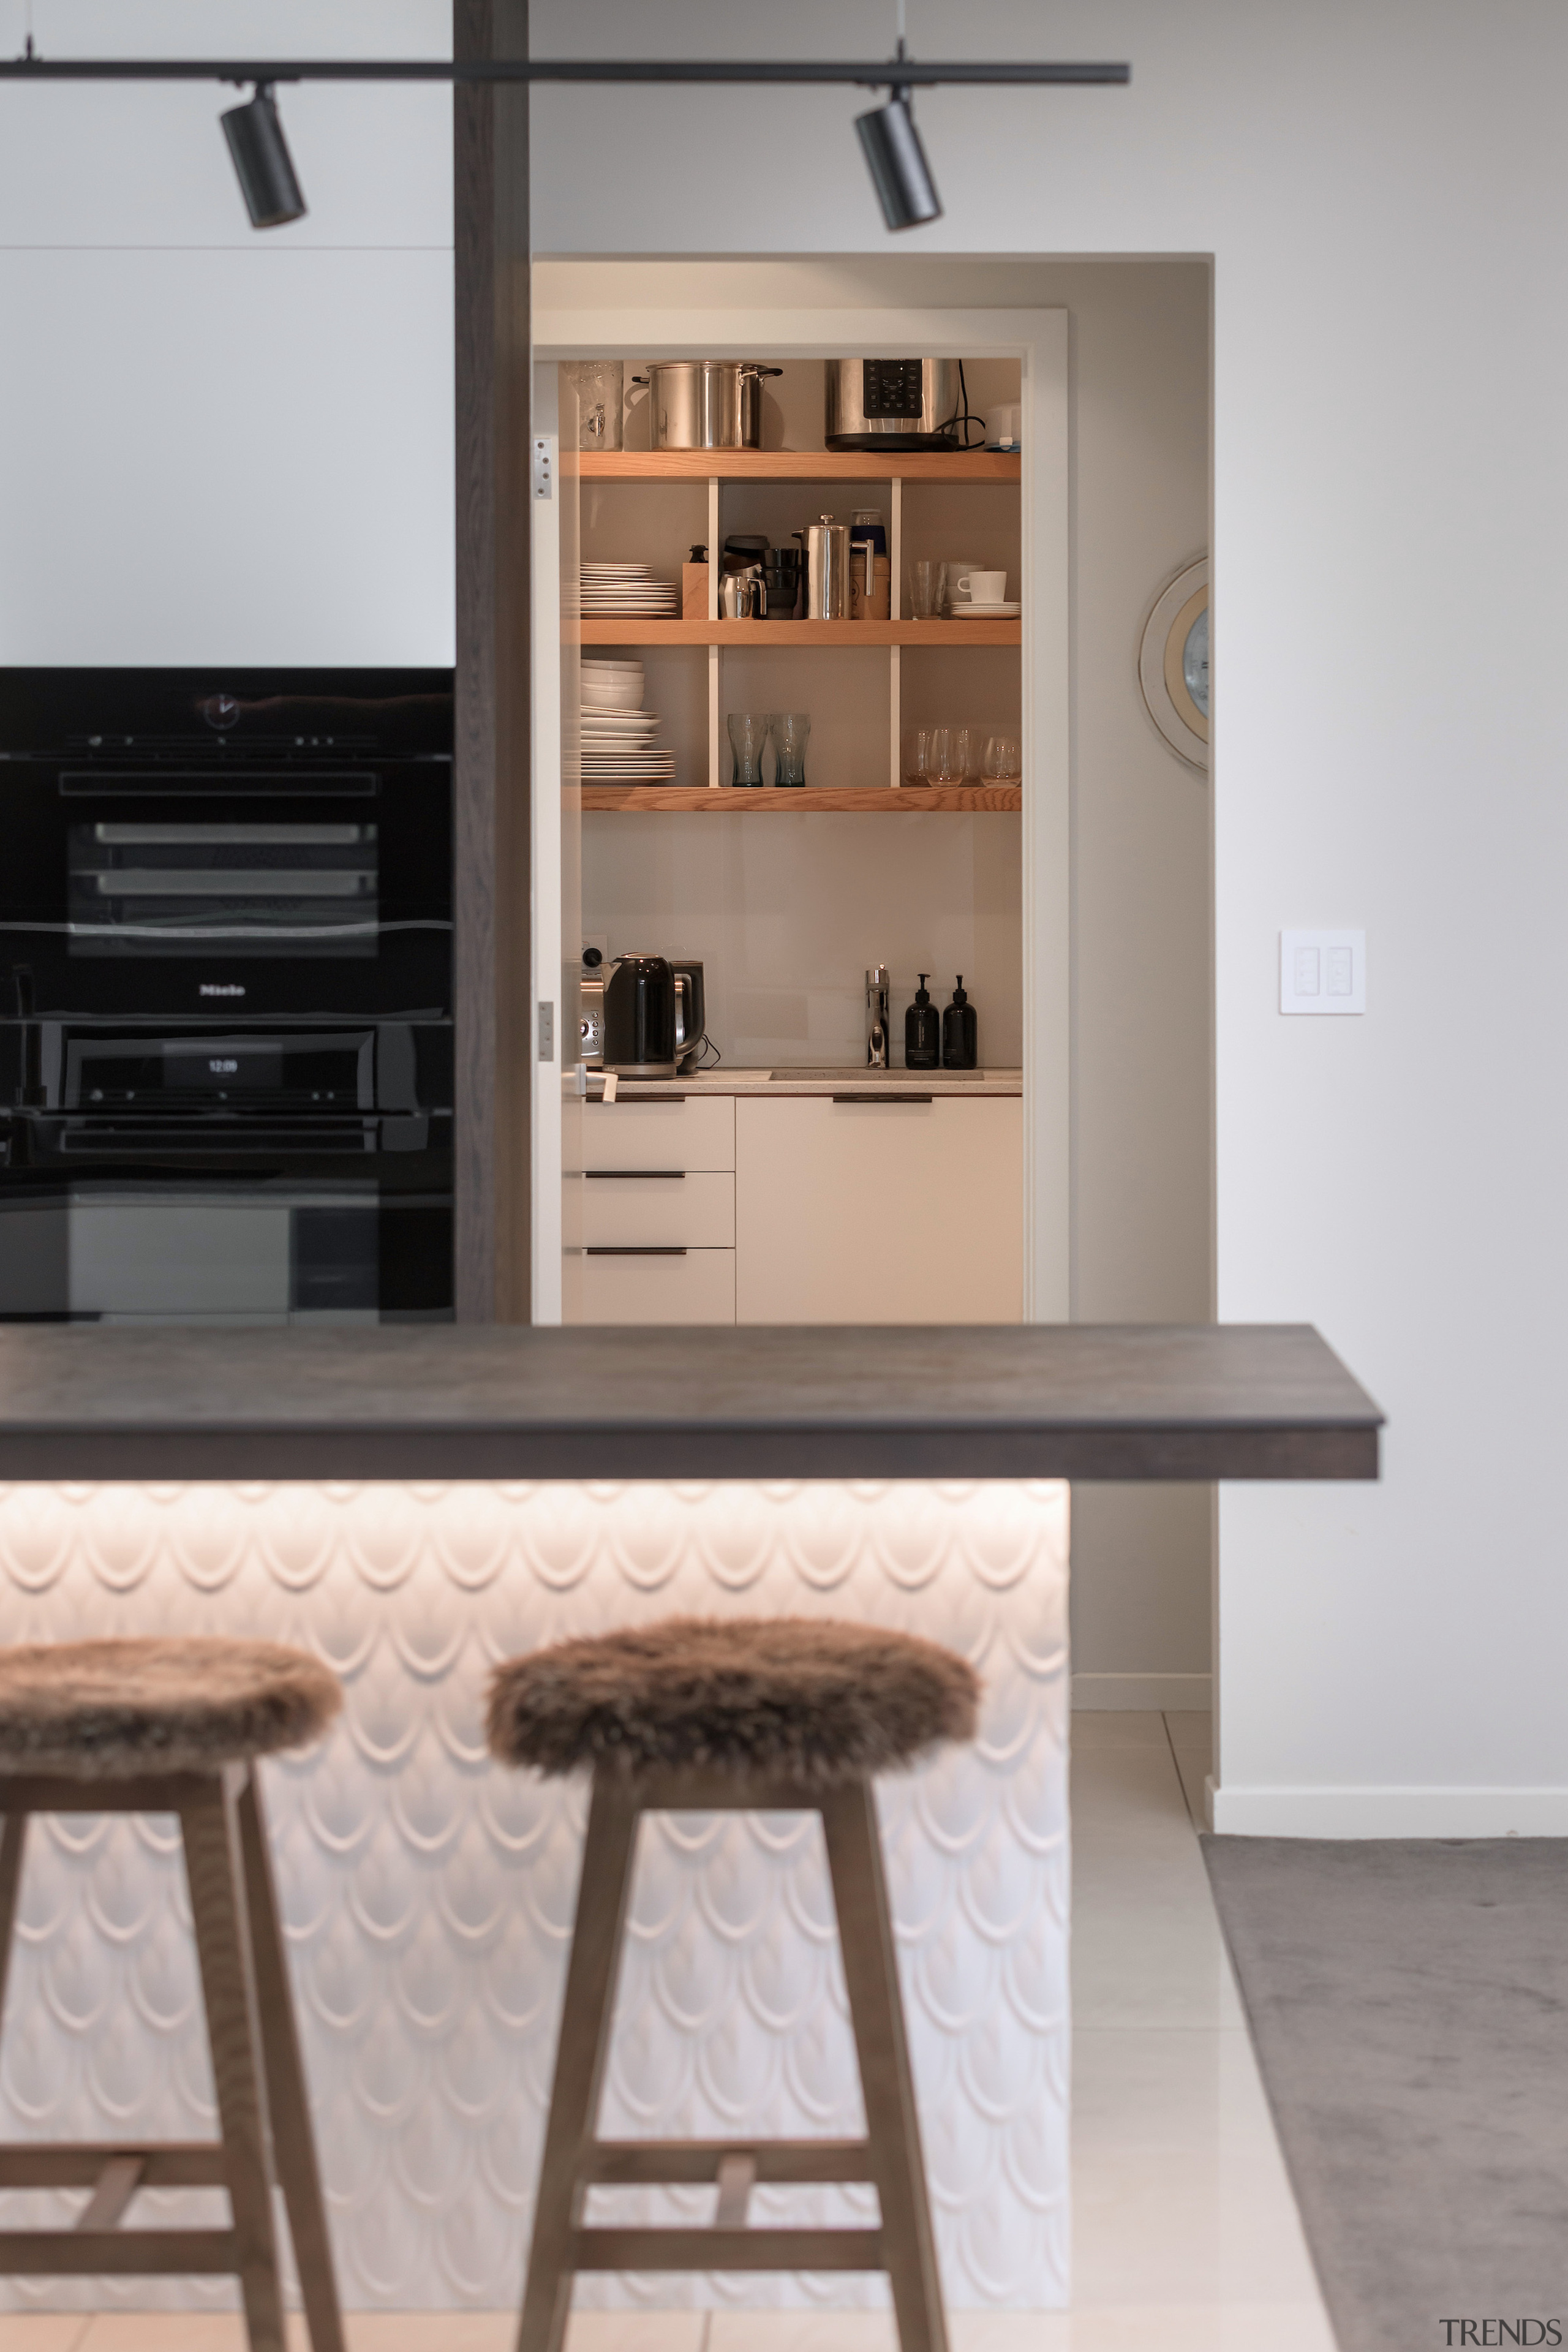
601	397
791	729
748	732
944	765
1001	764
927	588
916	754
965	753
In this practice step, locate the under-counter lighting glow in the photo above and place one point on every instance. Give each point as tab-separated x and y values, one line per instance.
262	163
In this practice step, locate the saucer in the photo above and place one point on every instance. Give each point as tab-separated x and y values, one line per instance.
984	611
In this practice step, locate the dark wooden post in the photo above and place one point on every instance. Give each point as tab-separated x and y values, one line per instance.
490	776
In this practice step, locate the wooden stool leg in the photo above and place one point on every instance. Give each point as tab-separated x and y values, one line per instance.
580	2053
215	1870
12	1838
893	2128
293	2144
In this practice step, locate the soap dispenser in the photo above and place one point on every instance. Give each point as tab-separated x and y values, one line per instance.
922	1030
960	1035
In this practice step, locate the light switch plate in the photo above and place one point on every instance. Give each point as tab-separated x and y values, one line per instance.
1323	972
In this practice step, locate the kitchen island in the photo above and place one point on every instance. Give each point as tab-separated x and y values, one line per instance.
415	1503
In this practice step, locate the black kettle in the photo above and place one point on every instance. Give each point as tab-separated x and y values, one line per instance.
640	1017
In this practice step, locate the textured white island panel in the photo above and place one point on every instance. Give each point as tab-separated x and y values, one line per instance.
428	1895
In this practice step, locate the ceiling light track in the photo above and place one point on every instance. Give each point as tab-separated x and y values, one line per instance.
879	74
900	171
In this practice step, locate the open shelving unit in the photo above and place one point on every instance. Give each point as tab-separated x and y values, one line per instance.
910	800
720	469
799	465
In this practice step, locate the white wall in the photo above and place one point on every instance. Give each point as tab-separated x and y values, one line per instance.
1382	187
222	444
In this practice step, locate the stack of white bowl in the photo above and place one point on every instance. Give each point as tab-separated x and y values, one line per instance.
617	732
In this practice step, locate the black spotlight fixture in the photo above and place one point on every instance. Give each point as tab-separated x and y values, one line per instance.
896	160
261	162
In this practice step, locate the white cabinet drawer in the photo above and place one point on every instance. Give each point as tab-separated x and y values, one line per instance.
695	1132
694	1287
882	1211
699	1210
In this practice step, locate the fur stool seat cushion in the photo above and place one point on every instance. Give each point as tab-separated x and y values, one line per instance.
808	1700
111	1710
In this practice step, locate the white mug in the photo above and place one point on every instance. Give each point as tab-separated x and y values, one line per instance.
981	588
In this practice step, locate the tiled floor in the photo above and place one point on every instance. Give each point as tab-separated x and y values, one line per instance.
1185	2237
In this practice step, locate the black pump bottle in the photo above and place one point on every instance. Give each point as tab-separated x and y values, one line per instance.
960	1033
922	1030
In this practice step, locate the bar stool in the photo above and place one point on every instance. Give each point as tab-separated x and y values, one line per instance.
755	1714
175	1727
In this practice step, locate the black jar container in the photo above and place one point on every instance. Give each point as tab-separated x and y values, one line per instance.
922	1030
640	1017
960	1033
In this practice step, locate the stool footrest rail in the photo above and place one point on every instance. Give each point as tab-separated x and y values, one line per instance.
727	2250
669	2163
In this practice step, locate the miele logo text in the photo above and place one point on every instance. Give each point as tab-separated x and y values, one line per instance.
1502	2331
220	988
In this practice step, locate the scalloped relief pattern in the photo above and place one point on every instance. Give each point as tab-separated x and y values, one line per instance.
428	1895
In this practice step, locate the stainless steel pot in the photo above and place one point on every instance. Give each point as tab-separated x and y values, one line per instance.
827	545
894	404
705	403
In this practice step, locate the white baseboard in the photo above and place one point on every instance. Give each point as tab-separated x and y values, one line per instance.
1147	1692
1389	1812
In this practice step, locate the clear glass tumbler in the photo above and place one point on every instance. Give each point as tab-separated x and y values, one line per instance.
791	730
1001	764
601	397
749	732
927	590
945	761
916	754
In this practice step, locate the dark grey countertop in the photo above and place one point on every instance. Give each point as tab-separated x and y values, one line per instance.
1044	1400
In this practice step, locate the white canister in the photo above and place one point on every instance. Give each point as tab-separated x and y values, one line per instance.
1004	426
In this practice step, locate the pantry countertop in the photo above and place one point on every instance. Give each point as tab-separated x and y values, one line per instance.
816	1078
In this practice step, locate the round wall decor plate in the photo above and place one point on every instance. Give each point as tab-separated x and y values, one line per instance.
1174	664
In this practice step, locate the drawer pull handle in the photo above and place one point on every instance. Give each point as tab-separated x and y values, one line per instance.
624	1102
880	1098
634	1175
605	1252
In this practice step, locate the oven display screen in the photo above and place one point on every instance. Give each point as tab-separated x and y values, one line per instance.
293	889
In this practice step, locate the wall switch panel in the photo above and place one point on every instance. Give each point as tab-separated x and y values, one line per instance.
1323	972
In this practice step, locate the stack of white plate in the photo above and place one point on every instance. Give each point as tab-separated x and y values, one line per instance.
617	732
621	588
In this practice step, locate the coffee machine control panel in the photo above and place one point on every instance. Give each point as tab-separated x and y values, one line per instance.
893	387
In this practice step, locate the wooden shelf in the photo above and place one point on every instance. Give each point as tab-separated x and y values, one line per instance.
759	634
914	800
798	466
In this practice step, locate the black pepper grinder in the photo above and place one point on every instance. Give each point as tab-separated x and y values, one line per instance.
922	1030
960	1033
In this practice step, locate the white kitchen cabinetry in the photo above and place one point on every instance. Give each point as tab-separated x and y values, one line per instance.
883	1212
655	1211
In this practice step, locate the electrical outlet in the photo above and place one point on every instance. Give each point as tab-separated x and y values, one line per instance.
1323	972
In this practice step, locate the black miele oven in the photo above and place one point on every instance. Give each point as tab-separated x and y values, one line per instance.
226	960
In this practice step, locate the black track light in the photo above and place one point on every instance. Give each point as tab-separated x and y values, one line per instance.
899	172
261	162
